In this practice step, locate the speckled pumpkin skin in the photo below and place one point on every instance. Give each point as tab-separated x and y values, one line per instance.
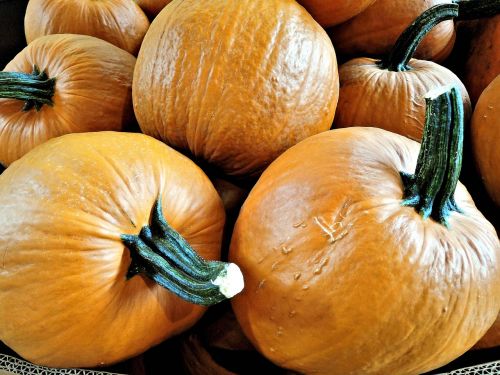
65	300
235	90
343	280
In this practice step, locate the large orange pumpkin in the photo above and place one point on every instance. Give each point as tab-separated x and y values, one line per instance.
120	22
346	273
389	94
375	30
153	7
235	82
63	84
333	12
71	293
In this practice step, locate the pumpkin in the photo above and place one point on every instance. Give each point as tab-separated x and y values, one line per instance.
63	84
485	136
353	265
92	273
374	31
329	13
233	89
368	87
153	7
483	62
120	22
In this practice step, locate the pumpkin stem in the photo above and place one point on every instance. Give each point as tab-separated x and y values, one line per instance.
431	188
472	9
163	255
408	41
35	89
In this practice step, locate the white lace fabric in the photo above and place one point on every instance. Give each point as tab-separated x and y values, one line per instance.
14	366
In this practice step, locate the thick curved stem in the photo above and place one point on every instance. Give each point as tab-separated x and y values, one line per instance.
431	188
407	43
472	9
163	255
35	89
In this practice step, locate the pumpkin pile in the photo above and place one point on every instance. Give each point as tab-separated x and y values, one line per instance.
158	158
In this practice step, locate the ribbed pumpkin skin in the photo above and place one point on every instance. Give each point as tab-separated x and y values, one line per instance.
485	135
374	31
153	7
93	92
483	63
120	22
333	12
341	279
64	297
394	101
233	89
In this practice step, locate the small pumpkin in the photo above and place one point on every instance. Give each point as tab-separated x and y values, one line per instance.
63	84
120	22
483	63
153	7
374	31
389	94
92	273
235	90
485	135
333	12
353	265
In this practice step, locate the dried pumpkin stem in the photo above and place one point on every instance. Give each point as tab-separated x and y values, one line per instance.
163	255
472	9
407	43
35	89
431	188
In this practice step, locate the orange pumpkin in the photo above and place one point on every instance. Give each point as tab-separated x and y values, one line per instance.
485	135
492	337
389	94
483	63
333	12
153	7
82	84
82	237
120	22
233	89
346	273
374	31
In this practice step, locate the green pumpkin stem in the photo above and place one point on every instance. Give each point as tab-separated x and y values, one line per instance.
407	43
472	9
163	255
35	89
430	190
